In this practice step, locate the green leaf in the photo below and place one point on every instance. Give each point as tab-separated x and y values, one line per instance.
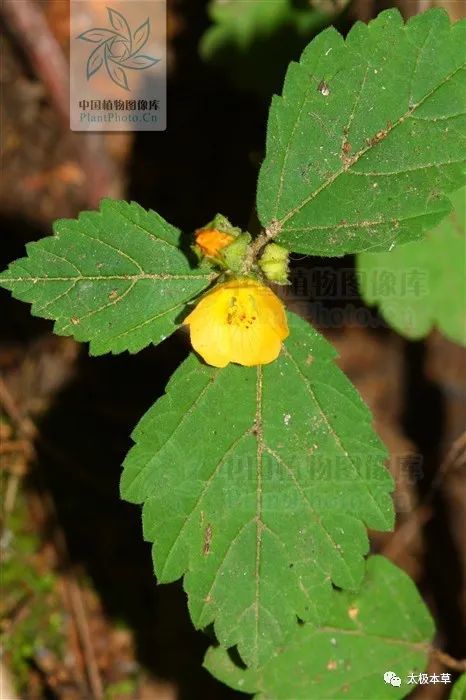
368	137
256	484
116	278
384	627
255	40
458	692
422	284
240	22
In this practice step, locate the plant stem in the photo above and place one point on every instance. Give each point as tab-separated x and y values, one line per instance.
256	248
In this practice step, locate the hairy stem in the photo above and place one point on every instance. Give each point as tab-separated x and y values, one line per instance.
257	246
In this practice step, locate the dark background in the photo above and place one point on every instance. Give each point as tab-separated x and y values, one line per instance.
70	416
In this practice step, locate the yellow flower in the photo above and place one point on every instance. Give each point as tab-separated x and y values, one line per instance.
239	321
211	241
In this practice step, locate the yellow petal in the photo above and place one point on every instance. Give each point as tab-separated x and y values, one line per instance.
259	347
211	341
239	321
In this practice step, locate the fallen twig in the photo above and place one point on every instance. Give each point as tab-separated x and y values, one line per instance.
449	661
27	429
455	459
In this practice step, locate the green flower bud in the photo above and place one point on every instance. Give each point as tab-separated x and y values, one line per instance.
233	255
274	263
221	223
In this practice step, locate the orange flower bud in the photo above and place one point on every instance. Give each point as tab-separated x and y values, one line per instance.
211	241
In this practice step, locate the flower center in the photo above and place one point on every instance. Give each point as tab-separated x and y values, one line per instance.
241	312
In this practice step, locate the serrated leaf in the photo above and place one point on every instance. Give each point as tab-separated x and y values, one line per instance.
368	137
384	627
422	284
256	483
116	278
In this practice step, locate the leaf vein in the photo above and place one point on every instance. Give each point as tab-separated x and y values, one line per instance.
331	428
279	225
